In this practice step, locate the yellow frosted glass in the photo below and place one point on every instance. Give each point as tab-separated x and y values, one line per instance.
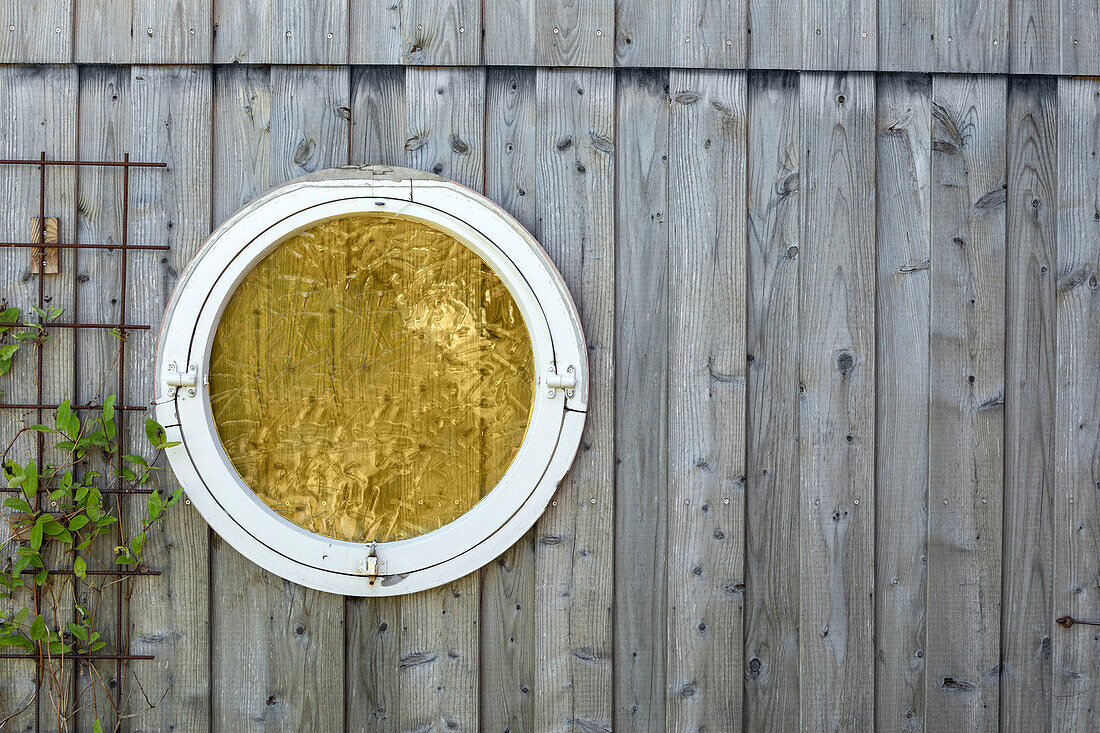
371	378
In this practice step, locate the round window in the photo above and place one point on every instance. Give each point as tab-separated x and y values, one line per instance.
376	378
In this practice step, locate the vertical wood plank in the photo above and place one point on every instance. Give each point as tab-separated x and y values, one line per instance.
507	645
377	136
1076	657
242	32
643	33
36	33
774	34
840	34
971	36
510	32
573	554
707	365
173	32
437	33
641	398
445	134
169	614
966	418
837	408
1029	403
375	33
1035	40
772	506
573	33
905	29
281	32
278	647
709	34
904	162
1080	37
102	31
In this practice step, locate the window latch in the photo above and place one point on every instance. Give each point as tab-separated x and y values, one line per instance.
368	566
555	381
177	380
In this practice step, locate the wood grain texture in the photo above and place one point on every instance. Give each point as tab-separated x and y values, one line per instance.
1076	583
510	32
971	36
837	407
966	418
903	183
774	34
1030	358
574	32
1080	37
375	33
102	31
38	32
641	397
643	33
436	33
168	615
772	505
507	644
278	649
445	134
840	35
281	32
905	29
575	180
173	32
707	363
709	34
1035	40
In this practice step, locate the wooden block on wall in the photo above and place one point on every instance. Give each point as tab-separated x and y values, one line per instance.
48	258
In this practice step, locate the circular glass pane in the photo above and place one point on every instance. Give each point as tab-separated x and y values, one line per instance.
371	378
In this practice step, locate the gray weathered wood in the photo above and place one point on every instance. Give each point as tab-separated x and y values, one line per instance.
642	33
169	614
507	645
966	417
840	35
837	408
436	33
101	31
172	31
445	134
375	33
1035	42
901	353
575	129
571	33
1076	651
510	28
277	647
38	32
772	505
281	32
971	36
709	34
905	35
641	398
707	363
774	34
1080	41
1029	403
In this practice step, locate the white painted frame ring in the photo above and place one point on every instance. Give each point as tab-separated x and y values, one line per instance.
424	561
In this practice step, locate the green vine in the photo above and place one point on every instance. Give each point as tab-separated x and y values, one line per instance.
55	541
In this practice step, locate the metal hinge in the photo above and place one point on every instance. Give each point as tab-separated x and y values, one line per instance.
177	380
555	381
368	566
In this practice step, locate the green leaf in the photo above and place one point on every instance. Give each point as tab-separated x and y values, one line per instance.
64	412
80	569
73	426
38	628
19	504
78	631
175	496
137	543
36	536
95	647
29	482
136	459
77	522
154	432
21	615
97	727
10	315
42	428
109	407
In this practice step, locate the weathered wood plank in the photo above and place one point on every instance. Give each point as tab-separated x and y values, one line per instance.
40	114
707	364
643	33
837	408
1076	581
1030	358
278	647
281	32
966	417
173	32
375	34
901	353
36	33
905	35
1035	41
772	506
572	33
971	36
510	29
378	115
102	31
573	556
641	398
445	134
774	34
507	645
168	615
436	33
1080	40
709	34
840	35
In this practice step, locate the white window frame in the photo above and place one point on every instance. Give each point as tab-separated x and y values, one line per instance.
385	568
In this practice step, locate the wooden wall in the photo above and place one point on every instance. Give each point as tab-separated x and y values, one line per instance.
842	466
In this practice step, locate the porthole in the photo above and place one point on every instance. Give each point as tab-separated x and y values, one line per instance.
376	379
